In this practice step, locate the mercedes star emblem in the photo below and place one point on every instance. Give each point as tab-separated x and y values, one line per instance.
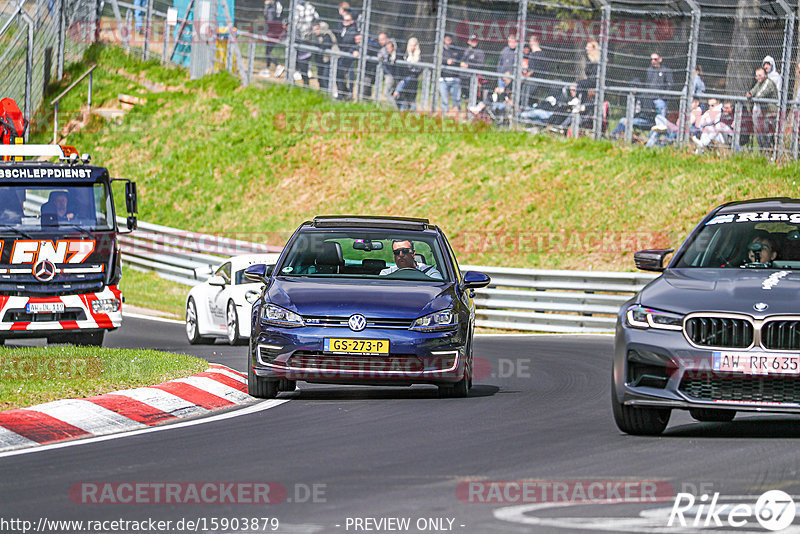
357	322
760	306
44	271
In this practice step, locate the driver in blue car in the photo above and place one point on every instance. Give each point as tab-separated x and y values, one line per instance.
404	259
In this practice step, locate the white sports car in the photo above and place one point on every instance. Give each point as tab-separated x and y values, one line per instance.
220	307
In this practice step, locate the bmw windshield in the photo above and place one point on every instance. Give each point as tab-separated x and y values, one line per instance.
369	254
746	240
44	206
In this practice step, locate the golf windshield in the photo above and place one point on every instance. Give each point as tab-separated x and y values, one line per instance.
374	254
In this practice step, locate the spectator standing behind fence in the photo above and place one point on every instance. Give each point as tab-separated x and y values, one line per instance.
274	29
589	84
772	72
698	84
326	40
374	46
658	77
449	82
763	114
387	57
508	56
347	43
472	58
405	93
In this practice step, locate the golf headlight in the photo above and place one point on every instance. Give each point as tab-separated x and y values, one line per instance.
641	317
275	315
105	305
433	322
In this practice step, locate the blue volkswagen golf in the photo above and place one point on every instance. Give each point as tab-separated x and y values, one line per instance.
367	301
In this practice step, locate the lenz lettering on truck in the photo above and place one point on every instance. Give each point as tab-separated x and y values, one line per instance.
59	255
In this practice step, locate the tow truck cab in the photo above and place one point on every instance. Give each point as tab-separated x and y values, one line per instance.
59	250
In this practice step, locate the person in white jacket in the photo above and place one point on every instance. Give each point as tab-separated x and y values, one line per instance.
772	72
714	124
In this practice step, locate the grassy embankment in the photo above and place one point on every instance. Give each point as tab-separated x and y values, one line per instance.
214	157
32	375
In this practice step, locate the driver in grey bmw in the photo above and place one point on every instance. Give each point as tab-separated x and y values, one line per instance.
404	259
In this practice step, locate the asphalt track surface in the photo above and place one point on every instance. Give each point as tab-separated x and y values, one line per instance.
540	411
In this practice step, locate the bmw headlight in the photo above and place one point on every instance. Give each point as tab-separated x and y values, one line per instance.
641	317
277	316
105	305
434	322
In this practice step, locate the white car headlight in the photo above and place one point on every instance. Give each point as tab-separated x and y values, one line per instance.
433	322
105	305
641	317
275	315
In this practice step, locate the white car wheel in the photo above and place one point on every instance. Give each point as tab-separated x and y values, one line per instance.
192	326
232	324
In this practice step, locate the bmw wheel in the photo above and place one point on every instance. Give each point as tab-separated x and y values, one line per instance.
639	420
232	324
192	326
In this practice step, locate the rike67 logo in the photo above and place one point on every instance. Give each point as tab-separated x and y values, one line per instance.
774	510
59	251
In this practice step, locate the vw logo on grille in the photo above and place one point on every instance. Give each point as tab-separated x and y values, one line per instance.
760	306
44	271
357	322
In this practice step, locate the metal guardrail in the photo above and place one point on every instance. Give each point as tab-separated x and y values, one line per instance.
517	299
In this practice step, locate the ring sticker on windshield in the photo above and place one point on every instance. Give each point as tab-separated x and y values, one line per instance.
763	216
286	269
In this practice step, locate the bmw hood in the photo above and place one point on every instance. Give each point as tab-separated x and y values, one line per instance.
372	298
724	290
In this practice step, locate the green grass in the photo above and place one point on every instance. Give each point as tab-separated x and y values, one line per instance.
211	156
148	290
32	375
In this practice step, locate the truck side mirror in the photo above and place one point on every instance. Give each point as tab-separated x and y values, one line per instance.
131	200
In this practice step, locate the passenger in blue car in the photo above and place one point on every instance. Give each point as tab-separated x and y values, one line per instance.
404	258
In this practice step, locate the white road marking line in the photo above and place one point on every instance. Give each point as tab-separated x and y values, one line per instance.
151	318
217	388
164	401
253	408
87	416
10	439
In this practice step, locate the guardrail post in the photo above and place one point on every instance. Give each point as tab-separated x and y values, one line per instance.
737	127
600	88
61	36
473	89
788	38
166	38
362	54
251	53
332	76
691	63
522	22
148	31
291	51
629	109
428	99
55	124
126	35
441	17
795	129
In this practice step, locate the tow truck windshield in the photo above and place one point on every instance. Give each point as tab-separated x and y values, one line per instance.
47	206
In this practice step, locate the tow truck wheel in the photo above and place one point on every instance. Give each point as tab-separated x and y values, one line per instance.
91	339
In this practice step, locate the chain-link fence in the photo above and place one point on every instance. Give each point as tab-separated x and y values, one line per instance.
35	43
708	74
